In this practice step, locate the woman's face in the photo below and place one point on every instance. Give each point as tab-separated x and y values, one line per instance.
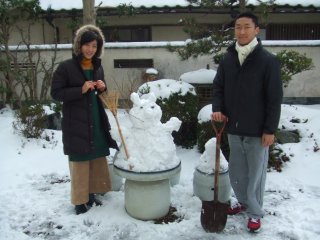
89	49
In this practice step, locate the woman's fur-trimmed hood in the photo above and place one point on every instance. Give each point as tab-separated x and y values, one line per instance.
77	39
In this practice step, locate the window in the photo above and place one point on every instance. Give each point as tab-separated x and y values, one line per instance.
127	34
133	63
293	32
23	66
205	93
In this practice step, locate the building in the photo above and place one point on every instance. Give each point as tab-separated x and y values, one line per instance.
138	41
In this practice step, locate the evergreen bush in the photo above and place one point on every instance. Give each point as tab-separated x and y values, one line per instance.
291	63
184	107
30	121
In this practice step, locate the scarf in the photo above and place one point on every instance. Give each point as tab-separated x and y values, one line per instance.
86	64
244	51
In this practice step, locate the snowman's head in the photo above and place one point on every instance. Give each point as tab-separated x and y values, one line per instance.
145	113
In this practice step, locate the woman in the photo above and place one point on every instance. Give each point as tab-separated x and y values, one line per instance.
85	125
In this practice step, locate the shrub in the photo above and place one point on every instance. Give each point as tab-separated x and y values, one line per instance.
291	63
185	108
30	121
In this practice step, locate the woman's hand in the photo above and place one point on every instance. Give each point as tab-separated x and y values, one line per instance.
100	85
88	85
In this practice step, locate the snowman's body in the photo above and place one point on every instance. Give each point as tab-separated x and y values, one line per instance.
149	142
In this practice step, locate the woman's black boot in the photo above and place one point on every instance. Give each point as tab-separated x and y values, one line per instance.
93	200
82	208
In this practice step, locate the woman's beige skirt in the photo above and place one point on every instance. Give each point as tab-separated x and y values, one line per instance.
88	177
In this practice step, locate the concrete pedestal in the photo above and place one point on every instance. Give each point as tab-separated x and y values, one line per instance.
147	195
203	186
116	180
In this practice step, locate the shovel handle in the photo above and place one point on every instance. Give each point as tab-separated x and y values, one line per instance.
217	162
218	131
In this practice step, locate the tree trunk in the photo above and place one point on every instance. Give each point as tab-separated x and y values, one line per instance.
89	13
242	5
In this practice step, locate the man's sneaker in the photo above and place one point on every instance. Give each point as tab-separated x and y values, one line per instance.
235	209
254	225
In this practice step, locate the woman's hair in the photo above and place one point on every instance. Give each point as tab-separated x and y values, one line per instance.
250	15
86	34
90	36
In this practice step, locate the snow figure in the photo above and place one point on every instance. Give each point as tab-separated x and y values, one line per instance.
203	176
207	159
149	142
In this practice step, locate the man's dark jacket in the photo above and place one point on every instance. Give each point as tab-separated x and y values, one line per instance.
249	95
77	126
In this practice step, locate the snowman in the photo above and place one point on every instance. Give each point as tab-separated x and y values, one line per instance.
149	142
207	159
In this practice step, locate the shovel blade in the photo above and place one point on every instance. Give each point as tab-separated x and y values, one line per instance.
213	216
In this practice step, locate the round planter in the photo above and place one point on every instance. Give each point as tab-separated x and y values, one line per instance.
116	180
203	186
175	179
147	194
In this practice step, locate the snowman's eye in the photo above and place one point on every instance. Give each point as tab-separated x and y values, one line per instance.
152	107
141	107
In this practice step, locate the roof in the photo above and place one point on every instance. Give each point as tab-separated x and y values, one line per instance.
77	4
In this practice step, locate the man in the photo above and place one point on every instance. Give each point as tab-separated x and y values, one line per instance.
247	93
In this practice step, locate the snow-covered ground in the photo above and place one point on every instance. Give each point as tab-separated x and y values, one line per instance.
35	193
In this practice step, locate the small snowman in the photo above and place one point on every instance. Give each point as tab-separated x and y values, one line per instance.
149	142
207	159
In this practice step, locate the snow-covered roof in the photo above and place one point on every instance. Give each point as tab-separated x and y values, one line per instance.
201	76
163	88
77	4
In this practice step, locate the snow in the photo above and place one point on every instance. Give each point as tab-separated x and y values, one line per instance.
152	71
204	113
163	88
77	4
157	44
35	192
201	76
206	162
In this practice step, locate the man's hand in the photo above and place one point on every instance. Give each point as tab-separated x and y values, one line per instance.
267	139
218	117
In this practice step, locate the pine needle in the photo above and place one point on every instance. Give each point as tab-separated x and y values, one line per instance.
110	100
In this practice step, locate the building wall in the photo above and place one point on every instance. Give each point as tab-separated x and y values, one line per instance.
165	27
305	84
126	80
168	33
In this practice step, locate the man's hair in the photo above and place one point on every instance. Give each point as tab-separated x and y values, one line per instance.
250	15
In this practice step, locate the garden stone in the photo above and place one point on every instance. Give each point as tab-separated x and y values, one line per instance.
286	136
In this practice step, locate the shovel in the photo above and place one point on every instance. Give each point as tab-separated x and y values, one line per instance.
214	213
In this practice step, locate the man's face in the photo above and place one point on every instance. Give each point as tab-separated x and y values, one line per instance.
245	30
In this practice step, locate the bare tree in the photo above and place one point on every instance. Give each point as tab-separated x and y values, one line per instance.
242	5
24	75
89	12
